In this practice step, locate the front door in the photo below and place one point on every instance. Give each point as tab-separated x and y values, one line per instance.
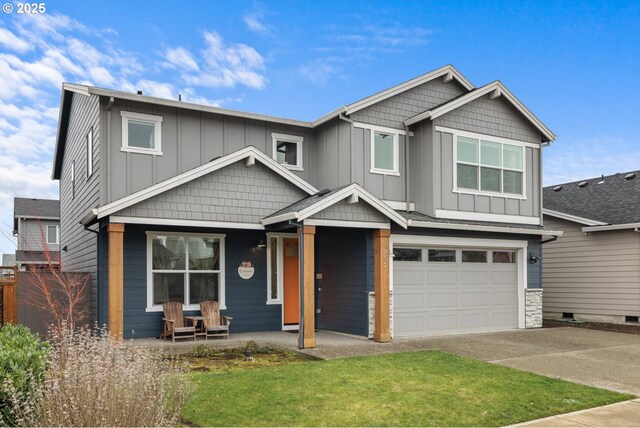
291	283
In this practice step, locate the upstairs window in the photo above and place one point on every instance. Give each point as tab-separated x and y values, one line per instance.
141	133
53	234
90	153
287	150
384	153
489	167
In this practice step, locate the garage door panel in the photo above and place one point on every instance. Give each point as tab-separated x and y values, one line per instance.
442	277
474	277
409	301
411	276
475	299
436	298
442	300
505	277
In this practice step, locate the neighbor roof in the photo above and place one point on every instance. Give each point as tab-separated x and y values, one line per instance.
612	199
37	257
43	209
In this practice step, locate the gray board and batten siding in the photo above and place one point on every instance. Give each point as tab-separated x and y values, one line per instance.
189	139
236	193
432	162
596	273
81	253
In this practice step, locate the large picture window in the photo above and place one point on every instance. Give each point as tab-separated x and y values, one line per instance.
185	268
487	166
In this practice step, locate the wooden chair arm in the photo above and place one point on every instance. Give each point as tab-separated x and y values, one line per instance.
168	320
229	318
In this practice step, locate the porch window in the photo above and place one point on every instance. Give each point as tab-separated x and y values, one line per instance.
287	150
185	268
141	133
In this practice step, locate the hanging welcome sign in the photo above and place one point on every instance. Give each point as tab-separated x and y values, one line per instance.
246	270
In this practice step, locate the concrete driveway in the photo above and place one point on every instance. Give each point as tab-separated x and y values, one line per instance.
598	358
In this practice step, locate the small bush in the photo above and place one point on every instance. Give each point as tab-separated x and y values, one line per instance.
94	380
22	368
257	349
201	351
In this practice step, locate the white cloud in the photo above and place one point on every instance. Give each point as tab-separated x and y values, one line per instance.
321	71
13	42
156	89
252	21
181	58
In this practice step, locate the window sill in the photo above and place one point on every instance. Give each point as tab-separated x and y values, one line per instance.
494	194
184	308
292	167
141	151
274	302
384	172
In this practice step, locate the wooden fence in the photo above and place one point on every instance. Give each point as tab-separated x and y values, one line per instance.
8	295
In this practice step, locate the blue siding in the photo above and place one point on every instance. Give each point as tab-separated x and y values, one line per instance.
344	261
534	279
245	299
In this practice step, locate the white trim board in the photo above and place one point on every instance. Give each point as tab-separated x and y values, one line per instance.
446	71
248	152
346	223
624	226
400	205
483	228
501	218
572	218
520	246
496	89
186	223
477	135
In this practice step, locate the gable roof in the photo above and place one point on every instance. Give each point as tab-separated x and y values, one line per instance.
615	201
313	204
494	90
250	154
448	72
38	209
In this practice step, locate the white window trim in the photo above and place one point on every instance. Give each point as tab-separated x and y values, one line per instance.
57	234
521	248
396	154
89	153
489	138
275	137
280	263
193	307
155	120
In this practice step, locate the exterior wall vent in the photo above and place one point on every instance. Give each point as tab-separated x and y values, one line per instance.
631	319
583	184
630	176
567	315
557	188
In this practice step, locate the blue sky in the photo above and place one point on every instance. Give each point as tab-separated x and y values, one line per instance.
574	64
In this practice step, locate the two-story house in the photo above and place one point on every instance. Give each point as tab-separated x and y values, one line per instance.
36	226
415	211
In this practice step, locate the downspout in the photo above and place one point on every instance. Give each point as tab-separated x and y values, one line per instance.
351	151
406	165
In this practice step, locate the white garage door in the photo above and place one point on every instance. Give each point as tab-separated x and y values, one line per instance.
453	290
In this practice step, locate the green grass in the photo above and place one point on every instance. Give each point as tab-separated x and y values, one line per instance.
410	389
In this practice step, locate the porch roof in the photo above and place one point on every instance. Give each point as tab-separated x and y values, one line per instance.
314	204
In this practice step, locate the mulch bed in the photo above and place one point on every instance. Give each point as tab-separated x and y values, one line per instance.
619	328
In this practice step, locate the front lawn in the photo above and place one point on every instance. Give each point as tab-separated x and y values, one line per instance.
428	388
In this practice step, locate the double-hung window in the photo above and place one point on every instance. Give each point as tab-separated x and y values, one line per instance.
184	268
287	150
488	166
141	133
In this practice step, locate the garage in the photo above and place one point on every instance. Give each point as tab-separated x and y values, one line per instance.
439	288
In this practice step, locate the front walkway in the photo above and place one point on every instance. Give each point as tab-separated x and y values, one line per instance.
625	414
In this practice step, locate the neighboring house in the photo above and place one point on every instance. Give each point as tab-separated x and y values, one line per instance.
187	202
593	272
7	260
36	226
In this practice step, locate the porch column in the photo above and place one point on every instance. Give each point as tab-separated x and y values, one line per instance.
308	265
381	285
116	279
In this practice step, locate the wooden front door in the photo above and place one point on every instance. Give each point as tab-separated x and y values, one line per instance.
291	281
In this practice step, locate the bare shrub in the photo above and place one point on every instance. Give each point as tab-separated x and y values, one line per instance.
94	380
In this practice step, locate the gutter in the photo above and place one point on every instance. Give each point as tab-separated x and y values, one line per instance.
609	227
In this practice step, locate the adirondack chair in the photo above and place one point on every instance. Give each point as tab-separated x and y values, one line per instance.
174	322
214	324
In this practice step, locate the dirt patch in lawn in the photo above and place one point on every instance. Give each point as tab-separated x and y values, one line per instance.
205	359
619	328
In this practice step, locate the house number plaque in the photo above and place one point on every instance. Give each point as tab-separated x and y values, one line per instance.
246	270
